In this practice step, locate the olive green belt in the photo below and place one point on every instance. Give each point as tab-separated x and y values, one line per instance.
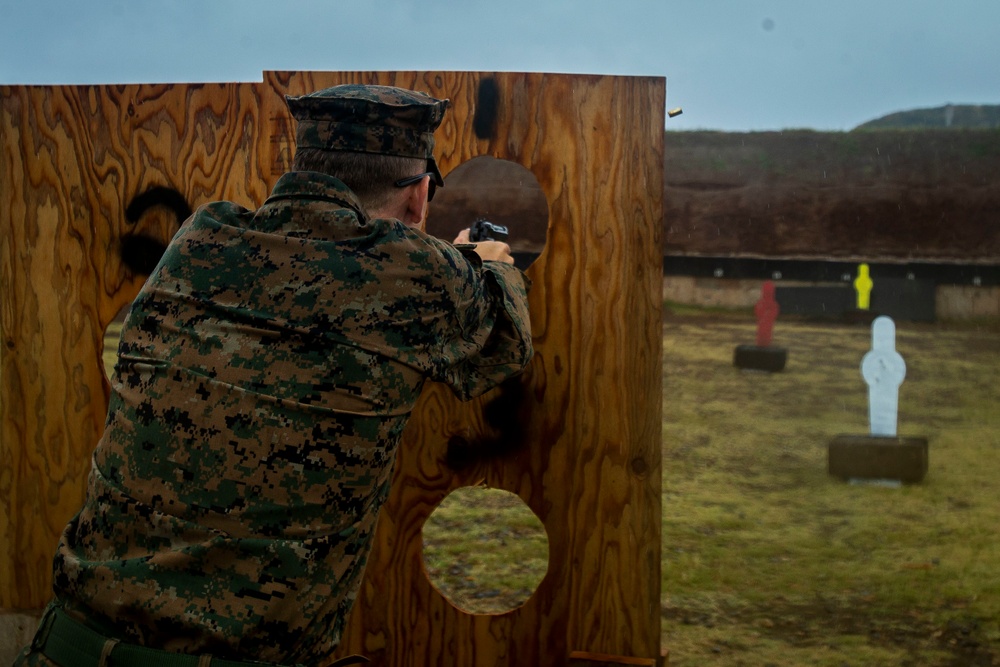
72	644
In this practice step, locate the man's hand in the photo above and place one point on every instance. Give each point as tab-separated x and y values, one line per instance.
496	251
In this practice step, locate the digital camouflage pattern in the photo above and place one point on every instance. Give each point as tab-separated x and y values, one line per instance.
369	119
265	373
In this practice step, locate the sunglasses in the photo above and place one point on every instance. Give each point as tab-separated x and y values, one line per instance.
410	180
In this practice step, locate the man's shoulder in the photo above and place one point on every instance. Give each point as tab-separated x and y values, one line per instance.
222	210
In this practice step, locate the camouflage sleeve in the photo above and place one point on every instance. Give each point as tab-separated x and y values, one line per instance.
494	341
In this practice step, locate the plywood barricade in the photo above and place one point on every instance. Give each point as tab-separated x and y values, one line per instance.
586	456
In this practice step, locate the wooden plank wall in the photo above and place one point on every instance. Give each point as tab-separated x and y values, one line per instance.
579	433
73	159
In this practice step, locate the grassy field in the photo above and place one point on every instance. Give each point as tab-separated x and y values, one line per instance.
767	560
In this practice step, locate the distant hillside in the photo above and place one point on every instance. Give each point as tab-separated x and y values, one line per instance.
956	116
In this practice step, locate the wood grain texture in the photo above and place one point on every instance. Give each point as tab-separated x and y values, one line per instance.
588	460
72	160
578	436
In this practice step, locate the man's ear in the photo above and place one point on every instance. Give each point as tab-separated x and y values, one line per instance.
416	204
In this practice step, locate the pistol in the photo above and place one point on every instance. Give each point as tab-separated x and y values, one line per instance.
484	230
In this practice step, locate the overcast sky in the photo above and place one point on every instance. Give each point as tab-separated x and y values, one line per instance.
732	65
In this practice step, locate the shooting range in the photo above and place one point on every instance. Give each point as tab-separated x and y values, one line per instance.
91	177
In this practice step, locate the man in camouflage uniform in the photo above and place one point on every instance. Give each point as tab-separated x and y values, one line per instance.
265	373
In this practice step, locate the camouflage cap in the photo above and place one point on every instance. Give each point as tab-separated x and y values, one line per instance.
369	119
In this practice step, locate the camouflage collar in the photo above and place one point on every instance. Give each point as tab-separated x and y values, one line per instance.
316	185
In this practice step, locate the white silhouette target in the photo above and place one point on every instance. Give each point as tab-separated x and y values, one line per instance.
883	370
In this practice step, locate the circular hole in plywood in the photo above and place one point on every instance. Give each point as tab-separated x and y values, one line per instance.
500	191
485	550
